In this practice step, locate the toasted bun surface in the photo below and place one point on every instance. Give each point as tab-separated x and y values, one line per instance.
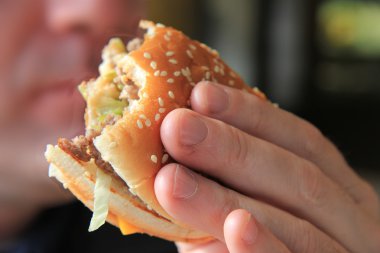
164	69
171	64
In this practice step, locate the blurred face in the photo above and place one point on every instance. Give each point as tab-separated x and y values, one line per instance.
47	47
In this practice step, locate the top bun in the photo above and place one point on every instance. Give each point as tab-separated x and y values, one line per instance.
165	68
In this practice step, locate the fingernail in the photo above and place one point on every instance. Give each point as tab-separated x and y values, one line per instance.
217	99
193	130
185	185
250	230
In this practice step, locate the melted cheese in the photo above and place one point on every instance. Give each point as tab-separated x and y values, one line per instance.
126	228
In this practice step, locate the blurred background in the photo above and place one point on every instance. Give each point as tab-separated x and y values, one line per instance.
318	59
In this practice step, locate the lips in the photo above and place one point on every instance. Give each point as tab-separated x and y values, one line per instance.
46	76
59	106
48	58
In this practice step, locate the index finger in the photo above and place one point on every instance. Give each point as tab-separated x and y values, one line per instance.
261	119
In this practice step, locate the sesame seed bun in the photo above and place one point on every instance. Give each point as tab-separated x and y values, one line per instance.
163	70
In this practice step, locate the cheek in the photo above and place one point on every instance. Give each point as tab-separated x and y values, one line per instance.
8	104
19	19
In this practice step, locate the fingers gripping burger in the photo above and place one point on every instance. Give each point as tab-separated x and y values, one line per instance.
112	168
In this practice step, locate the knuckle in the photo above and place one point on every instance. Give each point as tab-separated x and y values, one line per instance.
304	239
376	242
370	193
311	190
312	140
256	119
239	154
228	203
366	196
307	238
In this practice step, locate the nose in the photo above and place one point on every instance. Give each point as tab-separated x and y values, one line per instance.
92	16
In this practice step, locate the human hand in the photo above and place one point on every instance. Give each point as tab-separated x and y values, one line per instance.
297	186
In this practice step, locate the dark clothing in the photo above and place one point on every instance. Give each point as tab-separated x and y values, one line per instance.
64	230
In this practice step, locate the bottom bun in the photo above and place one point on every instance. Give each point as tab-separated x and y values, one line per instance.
124	208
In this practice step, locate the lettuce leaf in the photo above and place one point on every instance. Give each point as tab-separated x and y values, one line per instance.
108	105
102	194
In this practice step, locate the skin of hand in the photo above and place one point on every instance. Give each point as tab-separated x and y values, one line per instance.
47	48
274	182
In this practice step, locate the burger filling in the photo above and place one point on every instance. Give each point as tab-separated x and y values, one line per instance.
108	98
111	94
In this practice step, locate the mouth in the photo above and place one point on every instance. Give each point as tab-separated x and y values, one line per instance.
57	106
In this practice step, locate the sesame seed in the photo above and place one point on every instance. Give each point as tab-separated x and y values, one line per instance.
153	158
153	64
222	71
275	105
142	116
177	73
148	123
164	73
231	82
139	124
170	80
192	47
215	60
169	53
169	33
160	25
147	55
156	73
161	101
186	72
255	89
157	117
232	74
216	68
161	110
166	37
151	32
173	61
165	158
171	94
188	52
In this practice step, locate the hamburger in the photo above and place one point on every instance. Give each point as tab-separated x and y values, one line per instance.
112	168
